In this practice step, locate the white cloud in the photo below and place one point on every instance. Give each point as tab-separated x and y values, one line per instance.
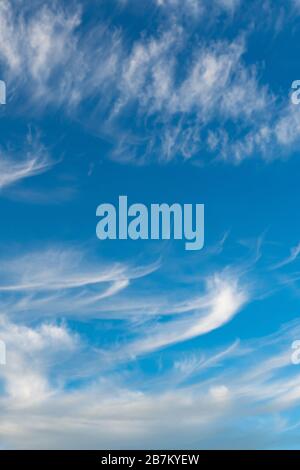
47	61
220	392
197	8
224	299
290	259
33	45
230	5
52	61
32	160
29	351
194	8
215	87
64	281
219	86
211	105
109	413
115	404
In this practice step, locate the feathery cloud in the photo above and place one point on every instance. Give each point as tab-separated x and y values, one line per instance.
32	160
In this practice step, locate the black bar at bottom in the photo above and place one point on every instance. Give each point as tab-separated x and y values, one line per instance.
136	458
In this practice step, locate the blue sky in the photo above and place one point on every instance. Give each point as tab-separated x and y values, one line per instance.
142	344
